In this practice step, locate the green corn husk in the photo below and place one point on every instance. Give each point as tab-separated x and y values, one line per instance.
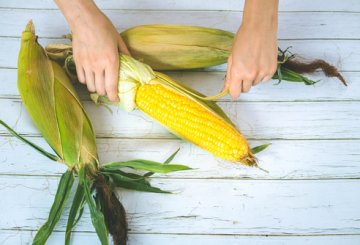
55	108
174	47
42	83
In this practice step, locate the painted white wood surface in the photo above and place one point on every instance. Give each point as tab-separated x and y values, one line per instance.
311	194
13	237
293	24
260	120
242	207
237	5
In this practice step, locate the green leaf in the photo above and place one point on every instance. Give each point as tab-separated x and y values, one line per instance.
291	76
62	194
122	181
147	165
76	206
81	211
97	217
170	158
37	148
129	175
259	148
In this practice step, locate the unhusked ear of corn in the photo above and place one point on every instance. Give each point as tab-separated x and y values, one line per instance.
174	47
177	47
54	106
183	111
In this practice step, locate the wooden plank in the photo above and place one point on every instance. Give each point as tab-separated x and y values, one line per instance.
257	120
235	5
298	159
292	25
340	53
210	83
235	207
25	237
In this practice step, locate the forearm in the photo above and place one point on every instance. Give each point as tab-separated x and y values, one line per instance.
77	10
261	14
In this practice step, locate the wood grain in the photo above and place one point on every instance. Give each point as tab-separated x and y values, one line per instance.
51	23
309	159
257	120
25	237
234	5
204	206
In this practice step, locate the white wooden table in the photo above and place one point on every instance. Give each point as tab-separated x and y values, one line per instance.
310	196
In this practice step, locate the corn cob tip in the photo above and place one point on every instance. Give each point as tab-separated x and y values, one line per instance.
251	161
30	27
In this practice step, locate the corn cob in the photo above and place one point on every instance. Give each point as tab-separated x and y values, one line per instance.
55	108
181	110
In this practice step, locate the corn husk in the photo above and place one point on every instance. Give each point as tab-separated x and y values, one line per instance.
41	84
174	47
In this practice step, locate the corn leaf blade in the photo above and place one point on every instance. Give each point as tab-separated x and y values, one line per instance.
259	148
167	161
74	210
97	217
29	143
148	166
122	181
61	196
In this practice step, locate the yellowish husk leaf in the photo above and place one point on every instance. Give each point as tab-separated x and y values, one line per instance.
174	47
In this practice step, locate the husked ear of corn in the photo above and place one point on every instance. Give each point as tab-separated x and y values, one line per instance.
55	108
183	111
174	47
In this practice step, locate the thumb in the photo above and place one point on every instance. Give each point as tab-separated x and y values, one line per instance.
228	74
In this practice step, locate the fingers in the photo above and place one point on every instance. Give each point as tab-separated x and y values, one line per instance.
100	82
122	46
228	74
80	72
90	80
241	81
100	77
111	80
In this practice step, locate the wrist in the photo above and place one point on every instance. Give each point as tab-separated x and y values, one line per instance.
261	15
83	11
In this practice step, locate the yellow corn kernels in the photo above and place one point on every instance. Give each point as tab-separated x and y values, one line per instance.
191	121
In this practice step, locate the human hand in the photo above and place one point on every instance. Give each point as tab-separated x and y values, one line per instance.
253	58
96	46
